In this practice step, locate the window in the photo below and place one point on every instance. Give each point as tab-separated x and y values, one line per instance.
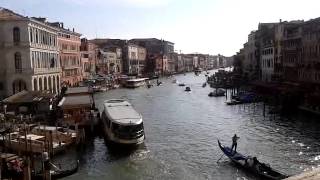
36	36
17	61
16	35
31	35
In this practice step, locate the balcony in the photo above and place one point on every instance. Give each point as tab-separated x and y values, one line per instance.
46	70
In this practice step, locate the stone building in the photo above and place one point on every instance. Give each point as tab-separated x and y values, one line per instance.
188	62
155	48
69	51
309	64
212	62
134	59
29	54
88	53
154	45
115	62
250	63
267	62
291	50
172	62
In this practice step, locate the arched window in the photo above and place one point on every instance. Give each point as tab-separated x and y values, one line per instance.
18	85
58	84
31	35
16	35
37	36
17	61
45	83
40	84
54	85
35	84
50	85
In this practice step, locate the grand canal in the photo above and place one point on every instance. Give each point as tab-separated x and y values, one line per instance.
181	137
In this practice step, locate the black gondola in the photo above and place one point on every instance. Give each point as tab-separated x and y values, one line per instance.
187	89
204	85
258	168
58	174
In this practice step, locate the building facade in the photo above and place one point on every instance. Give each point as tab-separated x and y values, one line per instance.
309	64
172	62
88	53
267	62
69	50
134	59
29	54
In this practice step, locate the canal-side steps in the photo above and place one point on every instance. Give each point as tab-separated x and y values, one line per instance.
308	175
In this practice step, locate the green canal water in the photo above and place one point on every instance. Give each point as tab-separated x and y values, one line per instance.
181	137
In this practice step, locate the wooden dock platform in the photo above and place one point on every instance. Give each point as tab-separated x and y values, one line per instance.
308	175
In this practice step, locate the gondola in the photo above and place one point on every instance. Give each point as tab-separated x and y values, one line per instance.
187	89
260	169
58	174
204	85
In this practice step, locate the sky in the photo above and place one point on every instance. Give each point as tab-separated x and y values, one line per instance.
202	26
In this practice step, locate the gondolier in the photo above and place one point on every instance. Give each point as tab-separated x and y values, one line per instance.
234	143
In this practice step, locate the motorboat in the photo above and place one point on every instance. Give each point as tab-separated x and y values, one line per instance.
122	124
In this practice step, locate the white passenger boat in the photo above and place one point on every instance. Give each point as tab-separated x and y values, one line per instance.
134	83
122	124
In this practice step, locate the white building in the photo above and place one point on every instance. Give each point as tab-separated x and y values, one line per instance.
267	63
29	55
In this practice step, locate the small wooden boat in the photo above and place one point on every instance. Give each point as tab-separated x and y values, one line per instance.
181	84
187	89
258	168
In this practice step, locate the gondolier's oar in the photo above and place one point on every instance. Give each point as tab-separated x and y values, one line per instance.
220	158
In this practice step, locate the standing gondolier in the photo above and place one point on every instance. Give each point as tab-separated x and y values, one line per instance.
234	142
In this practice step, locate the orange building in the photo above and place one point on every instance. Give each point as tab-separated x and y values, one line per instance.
69	51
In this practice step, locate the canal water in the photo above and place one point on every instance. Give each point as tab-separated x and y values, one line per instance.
182	129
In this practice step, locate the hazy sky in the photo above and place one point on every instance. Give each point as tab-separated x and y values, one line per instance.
205	26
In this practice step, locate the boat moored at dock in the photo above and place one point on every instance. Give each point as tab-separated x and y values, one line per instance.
122	124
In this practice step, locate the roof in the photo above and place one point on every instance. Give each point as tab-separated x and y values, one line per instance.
121	112
75	101
28	97
6	14
77	90
150	39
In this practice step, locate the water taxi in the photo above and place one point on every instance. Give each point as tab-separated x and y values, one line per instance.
121	123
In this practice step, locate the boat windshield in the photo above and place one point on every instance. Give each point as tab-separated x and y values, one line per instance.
128	131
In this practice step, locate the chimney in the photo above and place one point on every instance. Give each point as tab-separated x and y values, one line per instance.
72	29
61	25
280	20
